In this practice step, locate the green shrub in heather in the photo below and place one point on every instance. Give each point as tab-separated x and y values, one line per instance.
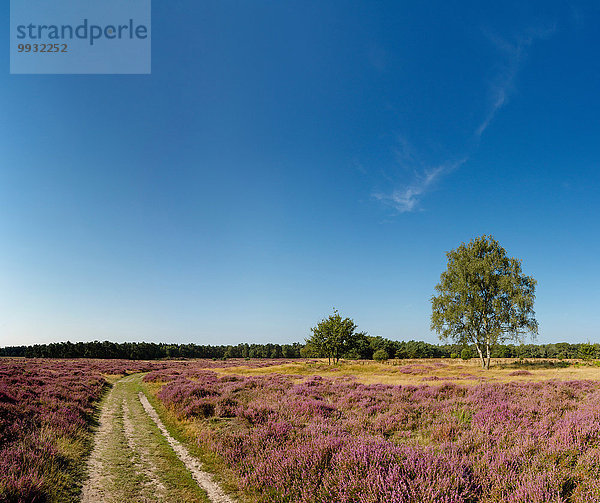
380	355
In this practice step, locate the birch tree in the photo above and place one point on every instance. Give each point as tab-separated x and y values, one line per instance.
483	298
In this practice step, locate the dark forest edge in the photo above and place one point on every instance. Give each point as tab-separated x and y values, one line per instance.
366	349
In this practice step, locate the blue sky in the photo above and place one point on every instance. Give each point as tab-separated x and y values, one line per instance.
287	157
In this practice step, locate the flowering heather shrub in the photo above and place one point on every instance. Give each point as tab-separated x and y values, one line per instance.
418	368
45	410
334	439
470	376
520	373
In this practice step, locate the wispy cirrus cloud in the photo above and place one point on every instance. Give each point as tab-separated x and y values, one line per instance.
513	53
424	177
406	199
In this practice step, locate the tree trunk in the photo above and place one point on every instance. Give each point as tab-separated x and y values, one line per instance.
487	348
480	356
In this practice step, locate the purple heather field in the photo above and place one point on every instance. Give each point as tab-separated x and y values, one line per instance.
46	412
292	438
309	438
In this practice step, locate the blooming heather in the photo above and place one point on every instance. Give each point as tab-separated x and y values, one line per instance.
315	439
45	412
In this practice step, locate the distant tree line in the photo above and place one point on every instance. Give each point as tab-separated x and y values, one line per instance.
363	346
151	351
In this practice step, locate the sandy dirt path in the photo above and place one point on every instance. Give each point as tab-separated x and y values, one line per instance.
93	490
135	459
204	479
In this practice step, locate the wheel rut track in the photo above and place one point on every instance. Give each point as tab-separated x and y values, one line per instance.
135	459
204	479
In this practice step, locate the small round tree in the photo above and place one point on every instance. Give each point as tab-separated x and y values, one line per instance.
466	354
483	298
380	355
332	337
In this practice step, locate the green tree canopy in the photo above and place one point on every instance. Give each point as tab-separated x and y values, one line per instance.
380	355
483	298
332	337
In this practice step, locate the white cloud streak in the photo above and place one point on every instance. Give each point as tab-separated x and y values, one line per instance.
503	84
407	198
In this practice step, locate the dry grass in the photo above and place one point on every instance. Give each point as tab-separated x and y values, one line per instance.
428	371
